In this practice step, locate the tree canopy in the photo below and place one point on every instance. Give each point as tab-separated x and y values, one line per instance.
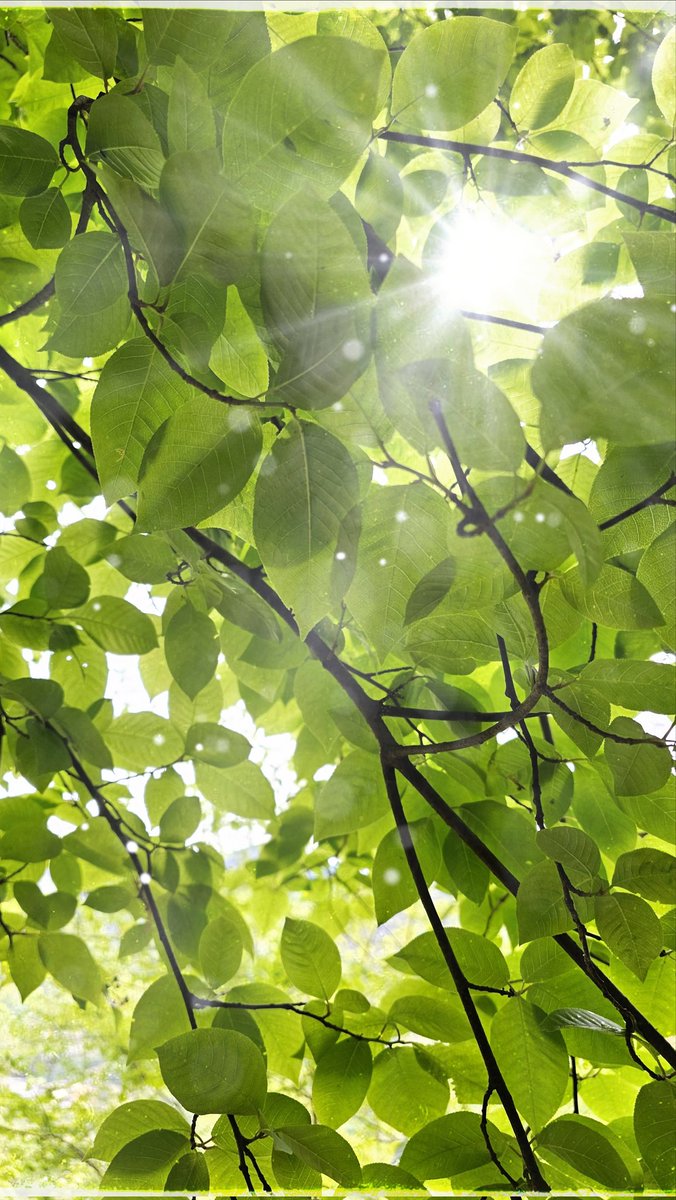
338	403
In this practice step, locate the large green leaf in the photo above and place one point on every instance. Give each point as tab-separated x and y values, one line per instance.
213	1071
197	461
69	961
90	273
119	134
640	768
543	86
450	71
191	648
630	928
533	1060
594	364
408	1088
316	302
89	36
341	1081
593	1150
281	133
136	393
654	1117
321	1149
27	162
212	215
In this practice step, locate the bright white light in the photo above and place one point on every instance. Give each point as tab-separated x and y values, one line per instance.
491	263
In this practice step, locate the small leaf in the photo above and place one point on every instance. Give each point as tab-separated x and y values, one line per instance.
310	958
593	1150
45	220
70	963
27	162
220	951
191	649
630	928
637	769
654	1122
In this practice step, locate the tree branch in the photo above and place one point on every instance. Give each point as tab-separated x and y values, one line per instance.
521	156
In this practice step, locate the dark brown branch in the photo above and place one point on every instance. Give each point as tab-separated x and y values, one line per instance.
521	156
298	1009
532	1173
652	499
604	733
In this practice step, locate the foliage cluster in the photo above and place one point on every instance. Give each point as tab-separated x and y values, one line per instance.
248	443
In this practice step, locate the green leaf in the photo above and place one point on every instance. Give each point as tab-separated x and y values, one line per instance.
616	599
144	1162
654	1117
118	626
275	151
407	1088
582	1018
248	793
27	162
15	481
190	1171
238	356
341	1081
651	873
663	77
90	273
653	254
63	583
190	118
433	1017
120	135
322	1149
130	1121
656	573
450	71
630	928
214	1070
196	462
593	364
159	1012
213	217
51	911
83	735
217	745
533	1059
574	849
353	797
540	906
632	683
480	961
323	340
306	487
45	220
89	36
181	819
43	696
637	770
139	740
310	958
393	887
404	536
191	648
449	1146
136	393
220	951
25	965
70	963
543	86
593	1150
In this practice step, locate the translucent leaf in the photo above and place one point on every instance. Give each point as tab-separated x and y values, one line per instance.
341	1081
196	462
533	1059
543	86
214	1070
654	1118
630	928
593	1150
450	71
45	220
27	162
310	958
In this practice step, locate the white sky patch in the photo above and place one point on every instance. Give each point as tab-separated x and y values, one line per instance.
589	449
